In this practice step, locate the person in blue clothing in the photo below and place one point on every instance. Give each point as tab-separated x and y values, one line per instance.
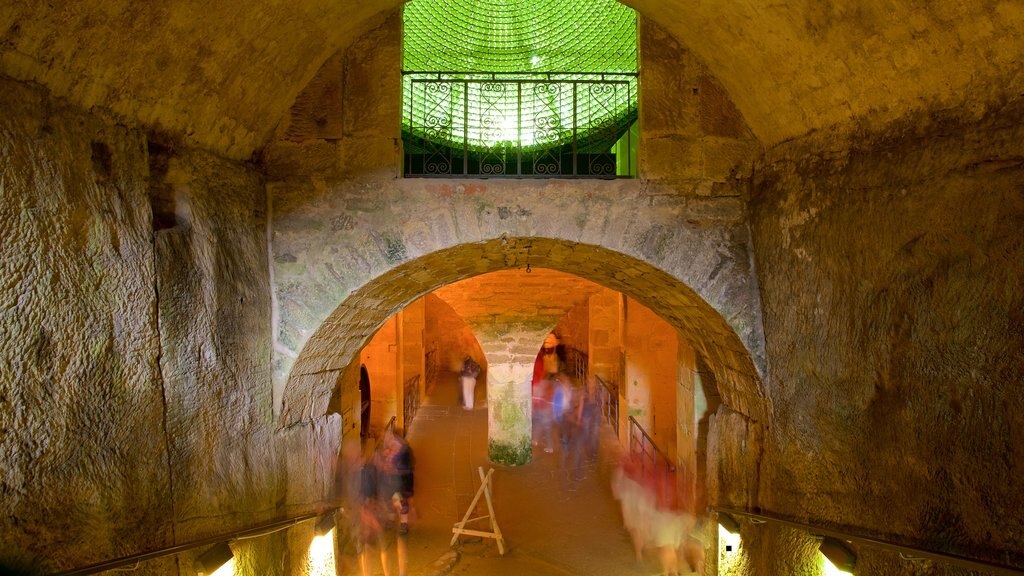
397	484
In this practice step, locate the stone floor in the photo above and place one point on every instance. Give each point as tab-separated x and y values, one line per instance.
551	525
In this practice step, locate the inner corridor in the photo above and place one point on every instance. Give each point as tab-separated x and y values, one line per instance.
551	524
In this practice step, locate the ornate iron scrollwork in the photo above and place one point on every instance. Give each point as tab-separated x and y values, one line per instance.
494	128
437	128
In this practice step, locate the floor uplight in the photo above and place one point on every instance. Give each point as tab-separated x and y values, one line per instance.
321	555
831	570
838	559
228	569
217	561
728	534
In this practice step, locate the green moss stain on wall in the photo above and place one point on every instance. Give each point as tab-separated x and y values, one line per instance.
510	413
510	443
510	454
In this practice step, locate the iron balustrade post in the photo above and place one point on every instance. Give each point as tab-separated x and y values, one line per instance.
465	128
519	128
646	448
575	129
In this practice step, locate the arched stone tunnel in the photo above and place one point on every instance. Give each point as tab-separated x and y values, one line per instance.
203	224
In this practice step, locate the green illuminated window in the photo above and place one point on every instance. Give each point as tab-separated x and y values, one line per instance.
520	87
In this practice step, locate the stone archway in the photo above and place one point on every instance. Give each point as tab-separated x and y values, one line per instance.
346	256
346	330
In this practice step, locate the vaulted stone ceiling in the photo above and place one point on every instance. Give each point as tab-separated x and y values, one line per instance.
541	297
224	73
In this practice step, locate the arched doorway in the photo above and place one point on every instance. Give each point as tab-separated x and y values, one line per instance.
449	438
356	318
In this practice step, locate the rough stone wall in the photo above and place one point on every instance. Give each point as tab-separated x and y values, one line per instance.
83	451
892	278
213	300
690	131
686	424
135	395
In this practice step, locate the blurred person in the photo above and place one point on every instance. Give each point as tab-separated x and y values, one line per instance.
549	356
543	418
574	429
396	464
669	524
562	415
637	503
399	466
373	517
590	420
467	382
694	546
349	497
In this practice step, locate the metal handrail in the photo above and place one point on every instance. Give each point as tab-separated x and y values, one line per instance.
576	363
134	559
654	454
608	397
905	551
495	75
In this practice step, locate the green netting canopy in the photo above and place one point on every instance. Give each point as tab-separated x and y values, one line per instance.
517	36
490	75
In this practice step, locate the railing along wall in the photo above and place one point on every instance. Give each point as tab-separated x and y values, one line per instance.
412	401
129	563
576	363
608	399
643	449
433	367
522	124
908	553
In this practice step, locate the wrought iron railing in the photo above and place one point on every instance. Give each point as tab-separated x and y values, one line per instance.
576	363
412	401
643	449
608	398
432	365
551	125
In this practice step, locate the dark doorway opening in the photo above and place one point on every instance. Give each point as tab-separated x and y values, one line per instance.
364	401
